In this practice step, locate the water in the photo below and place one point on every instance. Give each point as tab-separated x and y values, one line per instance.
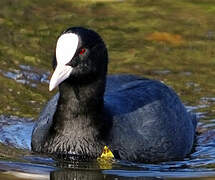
27	75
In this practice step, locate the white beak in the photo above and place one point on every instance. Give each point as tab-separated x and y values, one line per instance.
65	50
60	74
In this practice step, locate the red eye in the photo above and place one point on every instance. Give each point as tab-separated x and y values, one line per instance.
82	51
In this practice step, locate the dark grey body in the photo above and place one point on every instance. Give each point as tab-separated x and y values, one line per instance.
146	122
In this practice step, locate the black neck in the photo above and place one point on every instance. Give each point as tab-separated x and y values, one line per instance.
80	102
79	122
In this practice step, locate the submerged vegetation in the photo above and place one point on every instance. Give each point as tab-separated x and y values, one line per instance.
172	41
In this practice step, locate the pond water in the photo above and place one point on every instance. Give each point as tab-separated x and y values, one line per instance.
168	40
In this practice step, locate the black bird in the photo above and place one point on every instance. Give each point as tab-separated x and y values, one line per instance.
140	120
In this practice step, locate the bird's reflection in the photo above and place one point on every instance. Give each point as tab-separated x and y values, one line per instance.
71	174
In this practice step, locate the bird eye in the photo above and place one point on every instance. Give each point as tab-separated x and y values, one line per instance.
82	51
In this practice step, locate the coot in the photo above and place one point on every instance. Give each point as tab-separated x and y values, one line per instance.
140	120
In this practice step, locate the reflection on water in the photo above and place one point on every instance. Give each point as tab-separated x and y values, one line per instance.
90	175
27	75
16	131
88	171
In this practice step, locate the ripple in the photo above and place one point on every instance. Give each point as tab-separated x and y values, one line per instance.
27	75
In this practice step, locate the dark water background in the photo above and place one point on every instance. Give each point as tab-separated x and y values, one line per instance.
169	40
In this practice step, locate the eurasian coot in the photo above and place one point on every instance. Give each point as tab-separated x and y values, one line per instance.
140	120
